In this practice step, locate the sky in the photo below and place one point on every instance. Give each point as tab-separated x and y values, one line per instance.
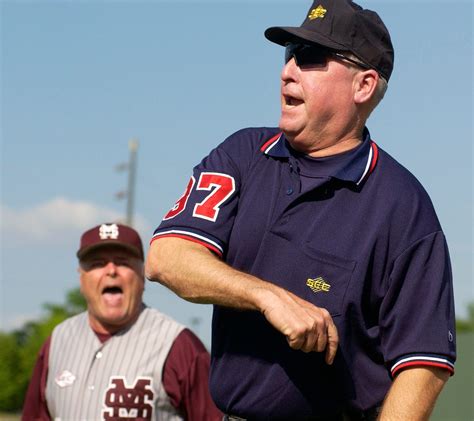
79	79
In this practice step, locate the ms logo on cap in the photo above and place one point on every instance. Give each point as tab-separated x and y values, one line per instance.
108	231
319	12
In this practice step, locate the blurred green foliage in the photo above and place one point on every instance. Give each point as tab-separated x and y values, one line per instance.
19	349
466	325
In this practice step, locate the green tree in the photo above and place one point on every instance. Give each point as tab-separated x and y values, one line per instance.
10	399
19	349
75	301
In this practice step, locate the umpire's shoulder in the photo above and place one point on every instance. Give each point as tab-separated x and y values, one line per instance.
248	141
404	198
400	180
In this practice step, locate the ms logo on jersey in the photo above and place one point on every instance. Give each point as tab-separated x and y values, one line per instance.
129	403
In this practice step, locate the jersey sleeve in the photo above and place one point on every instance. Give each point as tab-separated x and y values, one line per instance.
417	313
35	407
186	379
206	211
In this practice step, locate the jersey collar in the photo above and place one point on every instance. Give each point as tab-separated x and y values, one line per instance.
360	163
276	146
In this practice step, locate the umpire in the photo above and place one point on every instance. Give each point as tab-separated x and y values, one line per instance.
324	259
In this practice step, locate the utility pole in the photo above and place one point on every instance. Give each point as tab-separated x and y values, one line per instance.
132	170
131	167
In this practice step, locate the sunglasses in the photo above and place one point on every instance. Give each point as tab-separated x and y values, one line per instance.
312	55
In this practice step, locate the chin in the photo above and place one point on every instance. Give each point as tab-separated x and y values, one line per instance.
288	128
289	134
115	319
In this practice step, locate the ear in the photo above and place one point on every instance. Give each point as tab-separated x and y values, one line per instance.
80	271
365	84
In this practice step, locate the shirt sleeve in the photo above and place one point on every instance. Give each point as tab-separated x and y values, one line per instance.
35	407
186	379
206	211
417	313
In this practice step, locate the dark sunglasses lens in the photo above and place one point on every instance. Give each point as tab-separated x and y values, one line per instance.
305	54
290	51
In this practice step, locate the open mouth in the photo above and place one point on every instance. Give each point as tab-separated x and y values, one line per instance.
292	101
113	296
112	290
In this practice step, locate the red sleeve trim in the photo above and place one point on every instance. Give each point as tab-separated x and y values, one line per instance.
403	366
194	240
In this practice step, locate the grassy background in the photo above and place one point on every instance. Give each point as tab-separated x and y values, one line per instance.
456	402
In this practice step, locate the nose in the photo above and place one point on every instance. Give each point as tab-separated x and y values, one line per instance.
111	269
289	72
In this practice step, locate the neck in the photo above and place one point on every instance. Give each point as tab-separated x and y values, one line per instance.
104	328
343	134
325	143
337	148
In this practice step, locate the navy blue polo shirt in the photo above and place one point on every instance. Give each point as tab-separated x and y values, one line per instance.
354	233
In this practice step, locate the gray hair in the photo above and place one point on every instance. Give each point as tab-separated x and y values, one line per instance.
381	88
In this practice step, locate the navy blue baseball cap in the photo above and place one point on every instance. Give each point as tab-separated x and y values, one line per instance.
342	25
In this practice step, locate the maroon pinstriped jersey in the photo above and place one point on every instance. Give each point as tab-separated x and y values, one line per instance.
155	370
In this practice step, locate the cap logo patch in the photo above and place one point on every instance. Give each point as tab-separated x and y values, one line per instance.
108	231
318	285
319	12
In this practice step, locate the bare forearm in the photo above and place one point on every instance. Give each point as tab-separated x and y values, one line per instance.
413	394
196	275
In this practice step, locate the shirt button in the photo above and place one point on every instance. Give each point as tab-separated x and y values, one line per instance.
91	387
289	191
98	355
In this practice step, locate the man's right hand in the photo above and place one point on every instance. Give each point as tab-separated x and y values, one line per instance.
197	275
305	326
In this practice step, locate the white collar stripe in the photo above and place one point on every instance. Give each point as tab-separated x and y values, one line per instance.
367	165
423	358
269	148
190	234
